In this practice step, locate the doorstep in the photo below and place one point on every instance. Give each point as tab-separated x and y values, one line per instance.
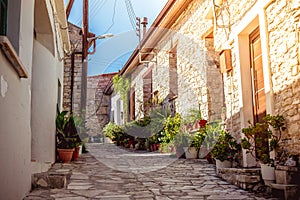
247	179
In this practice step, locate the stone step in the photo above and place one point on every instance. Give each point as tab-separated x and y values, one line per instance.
51	180
287	192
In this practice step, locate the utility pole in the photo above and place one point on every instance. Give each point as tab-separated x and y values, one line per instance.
85	31
69	8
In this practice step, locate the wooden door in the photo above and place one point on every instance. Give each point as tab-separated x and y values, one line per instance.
257	76
258	91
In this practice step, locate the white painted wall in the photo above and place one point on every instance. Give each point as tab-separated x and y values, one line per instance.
45	78
116	109
44	100
15	101
27	106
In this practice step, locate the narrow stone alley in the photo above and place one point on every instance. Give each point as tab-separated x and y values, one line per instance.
109	172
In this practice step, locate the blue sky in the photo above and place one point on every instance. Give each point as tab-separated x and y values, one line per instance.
110	16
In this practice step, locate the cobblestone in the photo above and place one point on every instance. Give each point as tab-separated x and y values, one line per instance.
109	172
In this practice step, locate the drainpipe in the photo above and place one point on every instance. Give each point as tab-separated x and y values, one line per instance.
72	79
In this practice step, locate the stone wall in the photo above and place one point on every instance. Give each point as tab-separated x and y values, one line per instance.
98	104
284	33
279	22
68	97
199	79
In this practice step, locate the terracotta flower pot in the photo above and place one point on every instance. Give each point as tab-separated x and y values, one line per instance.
202	123
76	154
65	155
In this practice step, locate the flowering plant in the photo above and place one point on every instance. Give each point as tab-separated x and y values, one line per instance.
226	147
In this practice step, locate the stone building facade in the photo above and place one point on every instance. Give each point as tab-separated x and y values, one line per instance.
98	103
239	60
275	63
182	71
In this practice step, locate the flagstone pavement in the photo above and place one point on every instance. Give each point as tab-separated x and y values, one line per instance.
112	173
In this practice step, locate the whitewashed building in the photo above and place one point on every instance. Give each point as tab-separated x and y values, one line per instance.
34	41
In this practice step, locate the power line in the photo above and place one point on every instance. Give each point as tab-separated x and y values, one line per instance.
130	12
96	8
113	17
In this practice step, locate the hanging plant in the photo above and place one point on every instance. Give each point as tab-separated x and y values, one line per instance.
122	86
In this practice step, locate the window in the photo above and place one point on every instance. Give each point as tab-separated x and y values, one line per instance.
3	16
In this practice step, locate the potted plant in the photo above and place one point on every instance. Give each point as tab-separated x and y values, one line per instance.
225	150
260	139
195	116
66	135
197	141
211	131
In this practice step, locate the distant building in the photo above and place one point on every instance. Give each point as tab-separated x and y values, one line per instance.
98	103
34	41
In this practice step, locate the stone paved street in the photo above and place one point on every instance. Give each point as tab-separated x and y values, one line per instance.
108	172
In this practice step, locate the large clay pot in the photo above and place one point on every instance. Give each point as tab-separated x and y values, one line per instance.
65	155
267	173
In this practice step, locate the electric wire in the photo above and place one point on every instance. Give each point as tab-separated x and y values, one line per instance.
113	18
131	14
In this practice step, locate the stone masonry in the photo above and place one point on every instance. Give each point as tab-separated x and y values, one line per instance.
199	80
282	39
71	99
97	113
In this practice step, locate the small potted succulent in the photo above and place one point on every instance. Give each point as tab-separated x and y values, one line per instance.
262	138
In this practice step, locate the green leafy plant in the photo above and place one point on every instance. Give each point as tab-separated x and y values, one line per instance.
182	139
171	127
114	132
212	131
261	138
194	115
66	132
226	147
198	139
